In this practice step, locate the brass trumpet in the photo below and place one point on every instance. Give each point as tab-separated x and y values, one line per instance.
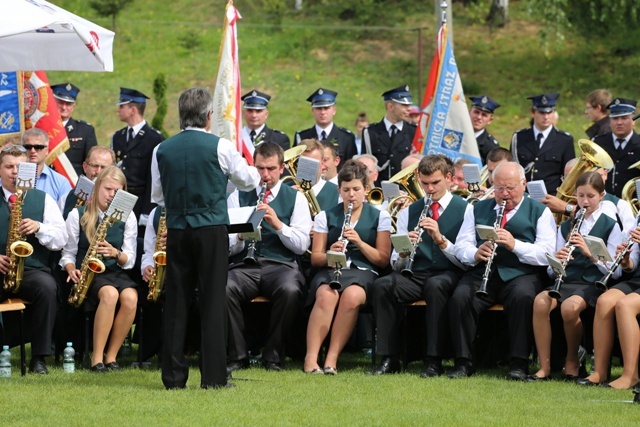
375	196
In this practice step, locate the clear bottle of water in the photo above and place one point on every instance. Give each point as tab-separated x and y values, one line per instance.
68	361
5	362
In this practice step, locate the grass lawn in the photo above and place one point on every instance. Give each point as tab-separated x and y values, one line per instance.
137	397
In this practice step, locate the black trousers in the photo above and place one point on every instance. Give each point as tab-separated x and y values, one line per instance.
196	257
39	288
391	292
282	284
517	297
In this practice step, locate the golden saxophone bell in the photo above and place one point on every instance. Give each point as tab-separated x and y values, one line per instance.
96	265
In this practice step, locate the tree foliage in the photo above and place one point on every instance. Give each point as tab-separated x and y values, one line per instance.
109	8
159	92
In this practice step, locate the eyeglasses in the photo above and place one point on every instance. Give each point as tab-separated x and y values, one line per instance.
501	189
94	166
14	147
36	147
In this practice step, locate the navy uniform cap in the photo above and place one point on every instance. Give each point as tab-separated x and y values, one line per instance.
322	98
255	100
544	103
401	95
131	95
484	103
65	92
622	107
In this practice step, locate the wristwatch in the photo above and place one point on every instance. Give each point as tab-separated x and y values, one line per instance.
568	209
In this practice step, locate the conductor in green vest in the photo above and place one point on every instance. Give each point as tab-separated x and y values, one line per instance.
525	234
267	267
189	173
434	273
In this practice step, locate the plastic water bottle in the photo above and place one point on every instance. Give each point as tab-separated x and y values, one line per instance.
68	361
5	362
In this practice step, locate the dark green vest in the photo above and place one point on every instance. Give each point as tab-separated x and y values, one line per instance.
581	268
367	229
328	196
193	184
612	198
69	204
115	236
429	257
156	217
32	208
522	226
271	246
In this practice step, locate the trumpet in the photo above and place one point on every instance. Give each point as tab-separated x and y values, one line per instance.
482	292
375	196
338	265
407	270
555	291
602	283
251	259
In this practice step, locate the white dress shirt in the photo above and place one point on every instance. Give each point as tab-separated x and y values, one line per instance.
129	243
232	164
52	233
615	238
528	253
621	210
294	236
149	243
326	130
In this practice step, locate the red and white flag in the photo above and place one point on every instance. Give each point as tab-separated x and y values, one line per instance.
41	111
227	108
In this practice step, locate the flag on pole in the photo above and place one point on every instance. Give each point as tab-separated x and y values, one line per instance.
26	101
445	126
227	109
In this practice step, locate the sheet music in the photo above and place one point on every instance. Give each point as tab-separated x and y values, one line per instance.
638	188
307	169
598	248
390	189
26	178
486	232
536	189
402	243
556	265
121	205
471	173
84	188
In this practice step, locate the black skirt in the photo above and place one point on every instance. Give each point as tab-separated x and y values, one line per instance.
349	277
118	279
586	291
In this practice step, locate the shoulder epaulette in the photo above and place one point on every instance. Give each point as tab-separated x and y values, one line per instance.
344	129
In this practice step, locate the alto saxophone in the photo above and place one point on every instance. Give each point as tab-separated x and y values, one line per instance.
156	281
91	265
17	248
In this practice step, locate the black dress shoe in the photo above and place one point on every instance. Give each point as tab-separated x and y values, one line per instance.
518	374
237	364
586	382
272	366
100	368
636	397
431	370
113	366
217	386
461	371
37	366
570	378
388	365
534	378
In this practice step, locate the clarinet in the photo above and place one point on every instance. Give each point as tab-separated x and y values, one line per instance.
407	270
335	283
555	291
602	283
251	259
482	292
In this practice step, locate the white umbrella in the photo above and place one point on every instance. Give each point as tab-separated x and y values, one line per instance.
37	35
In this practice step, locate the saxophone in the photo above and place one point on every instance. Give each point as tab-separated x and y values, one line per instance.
156	282
91	264
17	248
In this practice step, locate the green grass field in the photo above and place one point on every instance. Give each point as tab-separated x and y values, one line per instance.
136	397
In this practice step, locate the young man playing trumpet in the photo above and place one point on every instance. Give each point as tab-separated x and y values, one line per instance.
524	237
273	271
435	270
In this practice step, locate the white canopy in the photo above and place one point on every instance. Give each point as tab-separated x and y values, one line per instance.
37	35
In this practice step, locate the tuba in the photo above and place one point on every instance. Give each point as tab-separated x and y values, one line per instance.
156	281
593	156
17	248
629	191
291	157
91	265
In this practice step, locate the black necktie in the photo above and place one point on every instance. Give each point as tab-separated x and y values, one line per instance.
252	135
394	131
323	136
539	140
130	138
620	141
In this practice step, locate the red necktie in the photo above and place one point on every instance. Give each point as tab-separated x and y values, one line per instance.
435	213
504	218
266	196
12	200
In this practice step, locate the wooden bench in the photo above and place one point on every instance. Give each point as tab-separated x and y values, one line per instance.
16	304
